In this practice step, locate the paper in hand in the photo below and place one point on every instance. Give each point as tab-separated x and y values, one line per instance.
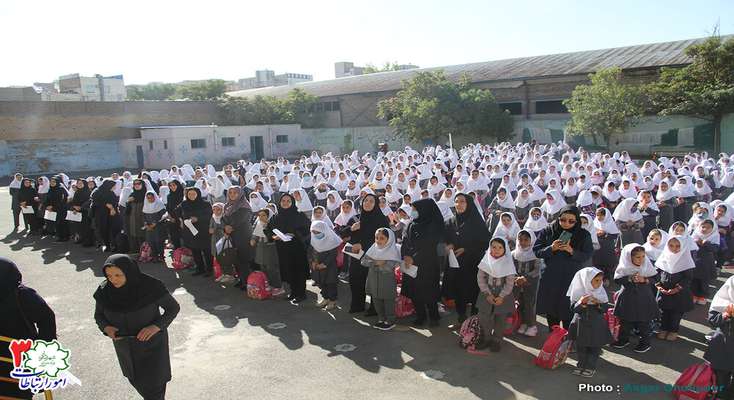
286	237
348	247
73	216
27	210
192	228
453	262
411	271
49	215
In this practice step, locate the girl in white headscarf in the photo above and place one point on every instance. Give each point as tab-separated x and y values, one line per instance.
629	221
635	305
553	204
523	204
536	221
502	203
666	202
333	203
496	279
153	211
303	203
588	328
655	244
708	240
382	258
507	229
527	266
675	298
607	232
720	352
257	202
266	254
322	260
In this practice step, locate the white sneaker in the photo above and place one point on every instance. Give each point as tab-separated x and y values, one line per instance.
322	303
531	331
522	329
331	305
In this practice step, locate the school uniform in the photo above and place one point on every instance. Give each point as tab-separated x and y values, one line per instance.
527	294
381	286
636	306
266	255
588	328
705	271
674	306
720	349
496	277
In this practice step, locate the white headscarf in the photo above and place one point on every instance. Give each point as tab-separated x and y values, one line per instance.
333	205
330	240
623	212
15	183
723	297
45	185
654	252
152	207
303	205
626	267
522	254
342	219
390	252
581	286
713	237
498	267
673	263
505	232
558	203
508	201
607	225
258	203
533	224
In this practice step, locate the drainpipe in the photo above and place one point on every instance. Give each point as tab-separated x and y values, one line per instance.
527	99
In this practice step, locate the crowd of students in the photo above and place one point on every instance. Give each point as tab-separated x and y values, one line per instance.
553	228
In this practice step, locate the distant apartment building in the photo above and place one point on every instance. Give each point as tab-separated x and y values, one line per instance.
268	78
96	88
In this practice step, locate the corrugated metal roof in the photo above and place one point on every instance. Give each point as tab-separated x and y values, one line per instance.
581	62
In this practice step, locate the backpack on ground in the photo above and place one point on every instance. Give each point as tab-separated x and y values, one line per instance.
182	258
613	322
695	383
403	307
146	253
470	333
258	287
555	349
513	321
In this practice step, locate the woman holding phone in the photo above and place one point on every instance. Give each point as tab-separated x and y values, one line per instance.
564	246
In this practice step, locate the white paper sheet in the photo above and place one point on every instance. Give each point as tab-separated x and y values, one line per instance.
358	256
192	228
74	216
49	215
411	271
223	244
27	210
286	237
453	262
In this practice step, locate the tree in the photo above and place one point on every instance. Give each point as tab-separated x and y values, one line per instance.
607	106
297	107
151	91
388	66
430	106
703	89
207	90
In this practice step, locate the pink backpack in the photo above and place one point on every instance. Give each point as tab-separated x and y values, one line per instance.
513	321
217	268
258	287
470	333
695	383
555	349
614	323
403	307
182	258
146	253
398	276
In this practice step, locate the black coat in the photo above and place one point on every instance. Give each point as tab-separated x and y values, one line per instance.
148	363
242	233
705	259
420	241
588	327
682	301
203	212
636	301
472	236
720	350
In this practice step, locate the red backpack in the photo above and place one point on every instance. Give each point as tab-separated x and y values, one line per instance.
182	258
403	307
695	383
258	287
513	321
555	349
146	253
613	322
470	333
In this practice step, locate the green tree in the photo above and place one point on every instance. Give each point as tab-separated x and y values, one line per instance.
388	66
704	88
297	107
430	106
207	90
151	91
605	107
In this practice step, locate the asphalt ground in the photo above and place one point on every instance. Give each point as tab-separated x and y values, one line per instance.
235	353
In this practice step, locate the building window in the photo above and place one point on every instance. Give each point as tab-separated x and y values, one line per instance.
150	144
227	142
165	145
198	143
334	106
512	108
550	107
281	139
327	106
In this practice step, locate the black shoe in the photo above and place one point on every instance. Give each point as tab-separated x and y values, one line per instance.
461	319
642	348
298	300
434	323
483	344
620	344
239	284
419	322
197	273
62	239
494	347
351	310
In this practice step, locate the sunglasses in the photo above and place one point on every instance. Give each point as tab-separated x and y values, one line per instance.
567	221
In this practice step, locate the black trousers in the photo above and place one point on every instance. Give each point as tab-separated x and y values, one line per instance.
357	285
174	235
16	217
151	392
670	321
298	275
588	356
421	308
203	259
642	327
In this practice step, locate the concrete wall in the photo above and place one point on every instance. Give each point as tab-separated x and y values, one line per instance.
41	156
97	120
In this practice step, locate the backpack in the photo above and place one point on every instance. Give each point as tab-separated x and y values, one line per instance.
555	349
398	276
613	322
216	268
403	307
146	253
470	333
257	286
182	258
340	256
122	244
696	376
513	321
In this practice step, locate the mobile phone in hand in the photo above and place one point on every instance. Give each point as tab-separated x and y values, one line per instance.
565	237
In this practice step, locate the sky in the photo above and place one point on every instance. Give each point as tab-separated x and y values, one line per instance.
171	41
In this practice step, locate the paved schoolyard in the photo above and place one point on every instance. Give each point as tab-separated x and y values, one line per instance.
234	352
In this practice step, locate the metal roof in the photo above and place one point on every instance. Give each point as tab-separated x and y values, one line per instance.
553	65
